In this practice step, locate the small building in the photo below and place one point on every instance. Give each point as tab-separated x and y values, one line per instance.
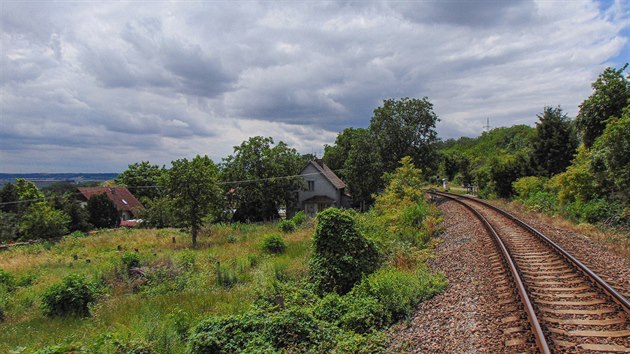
126	203
322	189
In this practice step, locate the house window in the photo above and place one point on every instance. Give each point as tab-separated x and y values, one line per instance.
311	186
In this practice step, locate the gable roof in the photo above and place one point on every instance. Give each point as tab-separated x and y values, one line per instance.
326	172
122	198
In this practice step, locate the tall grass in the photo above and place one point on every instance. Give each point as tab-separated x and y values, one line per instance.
184	290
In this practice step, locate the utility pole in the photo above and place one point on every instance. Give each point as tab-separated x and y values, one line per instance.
487	126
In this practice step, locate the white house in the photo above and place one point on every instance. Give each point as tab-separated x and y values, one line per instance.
322	189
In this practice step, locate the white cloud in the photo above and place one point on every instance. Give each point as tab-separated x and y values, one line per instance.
94	87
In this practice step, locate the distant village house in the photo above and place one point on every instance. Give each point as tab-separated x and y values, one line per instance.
126	203
323	189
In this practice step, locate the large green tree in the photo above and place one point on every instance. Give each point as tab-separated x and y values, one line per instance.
611	91
556	143
256	178
193	187
363	169
141	178
405	127
102	211
335	155
611	156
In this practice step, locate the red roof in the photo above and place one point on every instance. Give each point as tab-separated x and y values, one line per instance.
327	172
122	198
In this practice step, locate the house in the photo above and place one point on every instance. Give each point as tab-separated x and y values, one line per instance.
322	189
125	202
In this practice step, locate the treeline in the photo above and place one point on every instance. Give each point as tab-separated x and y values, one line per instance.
579	168
28	213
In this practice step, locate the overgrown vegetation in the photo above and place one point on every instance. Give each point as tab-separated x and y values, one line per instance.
349	299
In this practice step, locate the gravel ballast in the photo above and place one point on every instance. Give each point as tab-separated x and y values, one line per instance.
467	317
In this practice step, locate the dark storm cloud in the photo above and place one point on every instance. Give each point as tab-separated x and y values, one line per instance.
126	81
479	13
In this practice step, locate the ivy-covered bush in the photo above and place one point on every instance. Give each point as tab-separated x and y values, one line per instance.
71	297
274	244
341	255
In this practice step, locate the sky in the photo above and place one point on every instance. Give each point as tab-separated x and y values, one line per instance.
89	86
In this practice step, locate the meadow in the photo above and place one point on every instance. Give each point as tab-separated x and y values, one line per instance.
178	285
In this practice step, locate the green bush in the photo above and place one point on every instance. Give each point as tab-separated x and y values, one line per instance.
286	226
130	260
398	291
364	314
7	280
229	334
525	187
70	297
299	218
542	202
341	255
274	244
331	308
133	347
226	277
62	349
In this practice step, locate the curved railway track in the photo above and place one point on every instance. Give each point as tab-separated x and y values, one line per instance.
567	307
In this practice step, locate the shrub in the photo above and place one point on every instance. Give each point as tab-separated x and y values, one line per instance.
286	226
525	187
331	308
226	277
7	280
297	330
274	244
130	260
364	314
229	334
542	201
133	347
341	255
398	291
70	297
299	218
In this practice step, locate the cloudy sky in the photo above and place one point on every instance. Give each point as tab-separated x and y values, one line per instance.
92	86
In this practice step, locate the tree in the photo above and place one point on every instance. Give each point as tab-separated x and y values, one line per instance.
8	226
556	144
507	169
262	170
42	221
611	154
363	169
405	127
78	215
610	96
102	211
9	195
194	191
141	179
335	156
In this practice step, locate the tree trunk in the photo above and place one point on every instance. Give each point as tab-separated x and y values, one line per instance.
194	236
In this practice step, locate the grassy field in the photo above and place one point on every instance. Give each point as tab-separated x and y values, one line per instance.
179	286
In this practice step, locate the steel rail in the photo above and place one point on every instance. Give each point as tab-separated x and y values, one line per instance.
539	336
598	281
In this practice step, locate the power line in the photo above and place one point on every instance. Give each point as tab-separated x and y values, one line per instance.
147	187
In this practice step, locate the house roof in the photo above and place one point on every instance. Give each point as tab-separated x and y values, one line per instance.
122	198
327	172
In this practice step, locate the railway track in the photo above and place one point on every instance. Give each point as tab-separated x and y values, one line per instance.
564	306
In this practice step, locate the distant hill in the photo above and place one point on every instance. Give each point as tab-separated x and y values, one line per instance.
45	179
